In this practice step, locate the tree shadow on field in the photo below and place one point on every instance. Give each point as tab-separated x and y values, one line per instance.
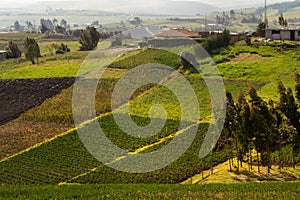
247	176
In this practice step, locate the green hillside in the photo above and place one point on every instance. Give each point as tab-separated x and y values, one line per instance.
62	159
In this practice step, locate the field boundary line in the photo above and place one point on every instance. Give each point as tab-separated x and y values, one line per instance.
55	137
137	151
146	92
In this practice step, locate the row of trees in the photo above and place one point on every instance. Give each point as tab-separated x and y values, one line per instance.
252	123
89	39
261	27
217	41
31	50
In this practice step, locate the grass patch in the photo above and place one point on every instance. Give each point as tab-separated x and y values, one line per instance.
209	191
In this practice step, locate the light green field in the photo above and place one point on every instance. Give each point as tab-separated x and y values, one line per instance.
210	191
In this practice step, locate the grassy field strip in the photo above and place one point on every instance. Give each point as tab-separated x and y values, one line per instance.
139	150
221	174
198	177
38	145
266	190
71	130
171	136
74	129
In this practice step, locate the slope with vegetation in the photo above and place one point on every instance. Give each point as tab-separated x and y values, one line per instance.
49	162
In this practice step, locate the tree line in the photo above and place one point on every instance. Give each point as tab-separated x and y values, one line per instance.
32	50
88	41
255	124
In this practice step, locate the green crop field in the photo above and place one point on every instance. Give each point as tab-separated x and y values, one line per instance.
267	190
60	160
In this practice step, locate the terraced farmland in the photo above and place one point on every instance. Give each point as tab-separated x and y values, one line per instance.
65	160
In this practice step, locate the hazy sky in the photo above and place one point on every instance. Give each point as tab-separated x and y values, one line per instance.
111	4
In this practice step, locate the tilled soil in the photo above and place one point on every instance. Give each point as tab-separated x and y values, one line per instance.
20	95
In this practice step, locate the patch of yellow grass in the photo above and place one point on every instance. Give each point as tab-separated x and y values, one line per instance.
221	174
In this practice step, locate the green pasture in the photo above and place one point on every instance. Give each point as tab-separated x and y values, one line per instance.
268	190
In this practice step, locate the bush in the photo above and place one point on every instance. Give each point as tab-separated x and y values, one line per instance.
116	42
217	41
62	49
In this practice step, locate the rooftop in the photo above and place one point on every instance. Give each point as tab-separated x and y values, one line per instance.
178	33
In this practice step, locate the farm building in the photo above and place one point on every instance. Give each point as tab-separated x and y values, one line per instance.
177	33
235	37
3	55
283	34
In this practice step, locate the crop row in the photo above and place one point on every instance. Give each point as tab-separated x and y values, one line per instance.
185	167
65	157
265	190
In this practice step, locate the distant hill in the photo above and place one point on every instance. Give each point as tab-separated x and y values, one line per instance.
133	6
185	8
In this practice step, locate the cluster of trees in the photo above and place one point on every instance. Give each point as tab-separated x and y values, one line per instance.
32	50
48	25
89	39
260	29
251	19
13	50
252	123
29	26
117	41
61	49
225	19
282	21
217	41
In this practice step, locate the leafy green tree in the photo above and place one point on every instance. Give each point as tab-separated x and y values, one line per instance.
17	26
282	21
116	42
248	40
260	29
89	39
287	134
217	41
32	50
13	50
263	126
64	23
289	107
227	136
232	14
60	29
297	86
243	132
44	28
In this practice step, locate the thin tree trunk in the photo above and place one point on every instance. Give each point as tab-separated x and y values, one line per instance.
251	160
238	165
293	158
258	162
229	164
280	157
269	159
